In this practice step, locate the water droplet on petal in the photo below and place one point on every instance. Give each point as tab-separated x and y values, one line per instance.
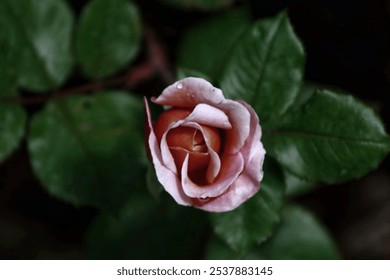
179	85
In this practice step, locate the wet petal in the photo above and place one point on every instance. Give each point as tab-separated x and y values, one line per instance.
190	92
209	115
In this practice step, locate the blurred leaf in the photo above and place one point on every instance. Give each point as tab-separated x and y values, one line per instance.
108	36
330	138
7	77
185	72
154	186
266	67
146	230
12	126
299	236
297	186
218	250
207	45
199	4
254	221
35	38
89	150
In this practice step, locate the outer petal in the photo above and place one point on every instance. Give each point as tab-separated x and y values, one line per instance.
253	150
165	176
248	183
190	92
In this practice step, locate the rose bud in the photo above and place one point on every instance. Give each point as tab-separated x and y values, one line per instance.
205	149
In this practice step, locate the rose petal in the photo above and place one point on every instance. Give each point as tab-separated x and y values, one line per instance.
166	155
209	115
239	118
248	183
190	92
166	177
231	167
243	188
215	163
253	150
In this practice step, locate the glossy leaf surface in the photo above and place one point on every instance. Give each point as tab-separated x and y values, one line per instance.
88	150
299	236
108	36
266	67
329	138
207	46
35	37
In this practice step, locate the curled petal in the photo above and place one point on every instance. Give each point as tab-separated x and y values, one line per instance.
190	92
231	167
243	188
215	162
165	176
253	150
209	115
239	117
166	155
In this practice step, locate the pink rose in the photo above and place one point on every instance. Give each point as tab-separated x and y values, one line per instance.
206	149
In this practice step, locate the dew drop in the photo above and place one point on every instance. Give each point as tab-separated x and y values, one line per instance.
179	85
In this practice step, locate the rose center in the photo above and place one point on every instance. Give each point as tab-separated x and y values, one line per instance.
184	140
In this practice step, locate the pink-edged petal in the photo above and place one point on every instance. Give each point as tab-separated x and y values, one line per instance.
232	166
166	155
215	163
165	176
243	188
253	150
190	92
248	183
209	115
239	117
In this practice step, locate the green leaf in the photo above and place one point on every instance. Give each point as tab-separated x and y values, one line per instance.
185	72
154	186
218	250
266	67
7	78
296	186
206	46
12	127
330	138
199	4
147	230
299	236
254	221
35	38
108	37
89	150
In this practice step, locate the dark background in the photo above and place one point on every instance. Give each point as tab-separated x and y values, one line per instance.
347	46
